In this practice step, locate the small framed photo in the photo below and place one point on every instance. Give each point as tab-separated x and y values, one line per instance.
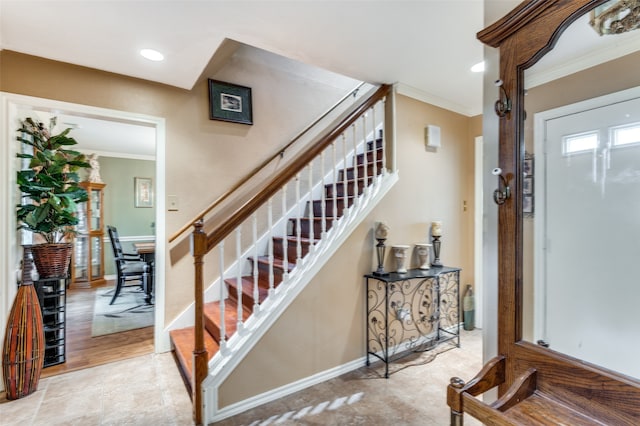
527	186
527	167
527	204
143	192
229	102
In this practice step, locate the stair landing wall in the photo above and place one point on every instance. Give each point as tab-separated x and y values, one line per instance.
324	328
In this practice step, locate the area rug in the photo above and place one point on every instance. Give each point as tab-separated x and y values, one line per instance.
128	312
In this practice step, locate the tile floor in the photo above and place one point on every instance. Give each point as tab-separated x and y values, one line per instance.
148	390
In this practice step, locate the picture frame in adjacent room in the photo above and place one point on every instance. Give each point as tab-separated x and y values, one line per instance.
527	204
230	102
527	186
143	192
528	194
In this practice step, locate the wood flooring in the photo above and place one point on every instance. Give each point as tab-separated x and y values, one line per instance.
84	351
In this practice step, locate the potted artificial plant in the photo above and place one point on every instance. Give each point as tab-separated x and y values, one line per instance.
49	203
50	193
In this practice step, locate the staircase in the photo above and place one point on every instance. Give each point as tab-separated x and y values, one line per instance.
274	242
302	237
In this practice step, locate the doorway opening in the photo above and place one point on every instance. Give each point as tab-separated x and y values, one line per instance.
82	349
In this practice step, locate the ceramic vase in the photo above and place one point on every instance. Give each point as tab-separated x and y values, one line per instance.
400	255
422	249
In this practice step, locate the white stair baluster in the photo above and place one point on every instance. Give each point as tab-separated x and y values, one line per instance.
355	162
256	294
345	180
223	331
240	318
323	198
383	136
270	243
298	221
335	174
311	214
285	239
365	157
374	145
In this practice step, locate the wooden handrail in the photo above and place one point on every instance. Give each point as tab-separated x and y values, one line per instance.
261	166
202	243
246	209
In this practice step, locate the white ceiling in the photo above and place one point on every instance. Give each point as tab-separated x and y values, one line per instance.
426	46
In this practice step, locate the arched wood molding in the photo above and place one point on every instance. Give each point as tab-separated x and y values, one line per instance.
548	386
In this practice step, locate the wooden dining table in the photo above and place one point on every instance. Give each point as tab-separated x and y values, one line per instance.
147	252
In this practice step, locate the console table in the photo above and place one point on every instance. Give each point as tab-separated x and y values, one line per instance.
412	312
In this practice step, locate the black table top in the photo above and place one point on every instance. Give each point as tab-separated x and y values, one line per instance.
433	271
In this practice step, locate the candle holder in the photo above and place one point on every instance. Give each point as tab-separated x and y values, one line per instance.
380	249
436	251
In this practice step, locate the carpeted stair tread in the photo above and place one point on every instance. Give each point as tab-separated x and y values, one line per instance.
183	343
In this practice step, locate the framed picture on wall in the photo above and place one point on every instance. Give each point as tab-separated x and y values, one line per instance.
230	102
528	165
143	192
527	204
527	186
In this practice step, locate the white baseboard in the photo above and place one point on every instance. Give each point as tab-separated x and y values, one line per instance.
285	390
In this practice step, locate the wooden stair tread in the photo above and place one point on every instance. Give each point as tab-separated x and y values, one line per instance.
183	343
542	410
212	317
246	283
277	263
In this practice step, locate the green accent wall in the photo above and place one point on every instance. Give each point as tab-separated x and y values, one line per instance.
119	208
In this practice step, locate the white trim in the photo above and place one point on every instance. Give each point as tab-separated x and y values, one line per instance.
272	395
9	104
131	238
592	59
238	346
478	228
321	377
126	155
428	98
8	243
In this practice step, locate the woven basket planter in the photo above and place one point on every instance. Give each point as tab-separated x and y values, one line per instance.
52	260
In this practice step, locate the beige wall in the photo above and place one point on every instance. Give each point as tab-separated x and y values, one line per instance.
203	157
325	326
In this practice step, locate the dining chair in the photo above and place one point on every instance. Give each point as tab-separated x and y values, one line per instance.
130	266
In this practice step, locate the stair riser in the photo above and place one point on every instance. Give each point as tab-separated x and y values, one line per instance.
339	203
263	275
377	154
247	300
292	250
351	188
211	326
350	172
379	144
305	227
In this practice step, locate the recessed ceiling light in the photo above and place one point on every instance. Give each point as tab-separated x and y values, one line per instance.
479	67
152	55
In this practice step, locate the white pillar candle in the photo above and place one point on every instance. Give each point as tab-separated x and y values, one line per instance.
436	229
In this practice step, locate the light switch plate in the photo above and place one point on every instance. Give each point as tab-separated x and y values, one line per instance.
172	203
